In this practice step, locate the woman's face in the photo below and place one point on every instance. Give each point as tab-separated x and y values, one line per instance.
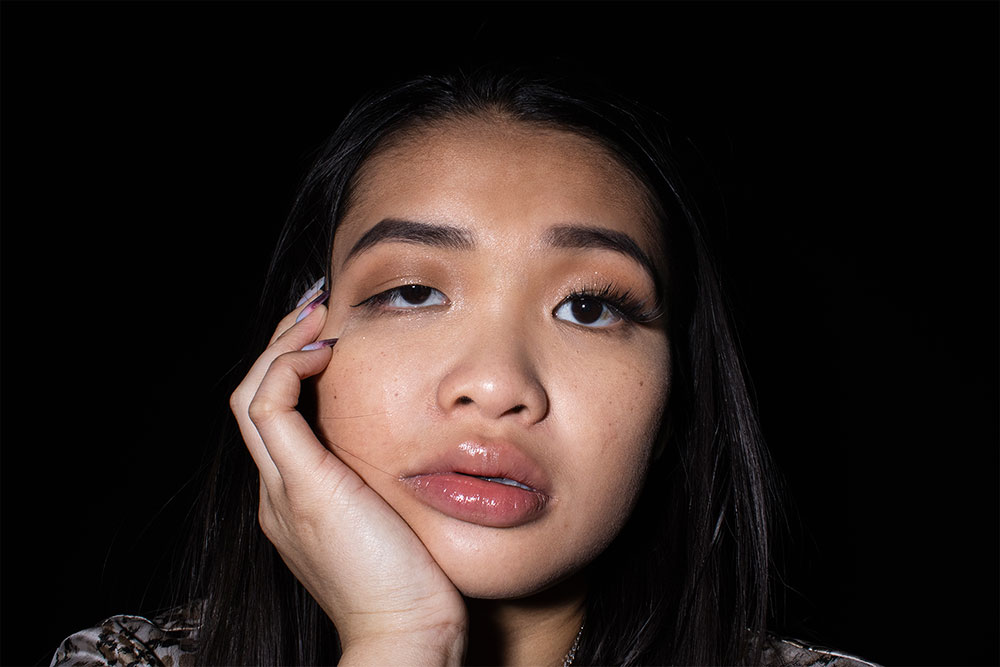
501	370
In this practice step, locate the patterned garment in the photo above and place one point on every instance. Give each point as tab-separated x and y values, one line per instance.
134	641
131	641
791	652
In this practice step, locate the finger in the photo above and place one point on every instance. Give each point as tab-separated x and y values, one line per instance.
294	338
310	293
306	330
302	333
314	292
269	474
266	511
289	440
298	314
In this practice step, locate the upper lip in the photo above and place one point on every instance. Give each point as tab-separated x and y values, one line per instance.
482	457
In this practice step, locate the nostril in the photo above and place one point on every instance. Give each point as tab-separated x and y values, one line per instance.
464	400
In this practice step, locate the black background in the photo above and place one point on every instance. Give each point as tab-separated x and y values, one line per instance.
150	152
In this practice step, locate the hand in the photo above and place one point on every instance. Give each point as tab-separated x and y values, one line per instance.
387	597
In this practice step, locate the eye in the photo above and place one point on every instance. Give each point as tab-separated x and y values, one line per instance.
587	311
408	297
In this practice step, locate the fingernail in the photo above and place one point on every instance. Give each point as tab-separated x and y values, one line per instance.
320	344
311	292
312	305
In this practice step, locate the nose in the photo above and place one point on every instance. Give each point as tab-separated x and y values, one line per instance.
494	378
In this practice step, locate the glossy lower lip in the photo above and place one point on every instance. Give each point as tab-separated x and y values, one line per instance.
477	500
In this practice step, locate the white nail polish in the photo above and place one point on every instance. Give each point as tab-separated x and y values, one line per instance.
311	292
320	344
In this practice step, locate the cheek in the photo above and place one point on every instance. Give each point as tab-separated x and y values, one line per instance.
367	394
615	411
618	398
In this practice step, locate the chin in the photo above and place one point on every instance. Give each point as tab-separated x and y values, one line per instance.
507	564
503	585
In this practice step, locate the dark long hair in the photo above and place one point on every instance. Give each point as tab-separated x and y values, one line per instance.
686	582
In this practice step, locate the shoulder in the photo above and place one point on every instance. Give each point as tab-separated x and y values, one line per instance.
168	641
781	652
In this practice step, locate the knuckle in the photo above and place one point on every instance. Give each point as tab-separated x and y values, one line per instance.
268	521
265	524
236	400
261	410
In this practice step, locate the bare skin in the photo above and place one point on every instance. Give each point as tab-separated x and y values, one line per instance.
515	348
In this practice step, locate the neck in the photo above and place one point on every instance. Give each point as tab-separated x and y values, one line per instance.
538	630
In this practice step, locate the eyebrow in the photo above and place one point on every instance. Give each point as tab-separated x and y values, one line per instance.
457	238
581	236
407	231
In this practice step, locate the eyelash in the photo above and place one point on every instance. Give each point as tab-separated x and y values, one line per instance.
622	302
379	300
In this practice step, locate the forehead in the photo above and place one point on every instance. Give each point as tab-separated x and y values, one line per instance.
502	179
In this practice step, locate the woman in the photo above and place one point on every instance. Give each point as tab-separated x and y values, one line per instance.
513	430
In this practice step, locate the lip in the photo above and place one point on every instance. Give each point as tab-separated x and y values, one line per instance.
451	484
